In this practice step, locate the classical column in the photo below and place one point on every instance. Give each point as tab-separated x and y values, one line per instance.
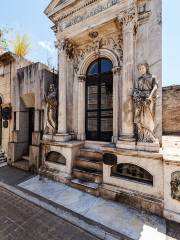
81	107
62	123
127	20
116	81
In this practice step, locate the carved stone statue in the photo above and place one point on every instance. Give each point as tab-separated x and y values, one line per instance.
175	185
51	110
145	95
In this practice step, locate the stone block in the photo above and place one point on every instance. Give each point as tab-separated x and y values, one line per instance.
16	151
36	137
34	156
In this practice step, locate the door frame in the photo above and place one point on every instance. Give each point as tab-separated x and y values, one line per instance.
98	79
117	83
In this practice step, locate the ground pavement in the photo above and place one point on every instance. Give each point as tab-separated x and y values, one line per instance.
22	220
20	217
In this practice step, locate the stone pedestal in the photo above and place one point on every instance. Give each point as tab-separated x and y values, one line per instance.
57	137
138	146
54	170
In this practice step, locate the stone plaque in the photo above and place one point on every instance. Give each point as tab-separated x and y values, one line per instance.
109	159
175	185
5	124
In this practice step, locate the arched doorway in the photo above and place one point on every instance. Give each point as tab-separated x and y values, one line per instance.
99	101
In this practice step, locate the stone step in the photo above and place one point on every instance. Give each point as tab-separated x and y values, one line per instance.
48	173
53	174
88	152
26	157
22	164
3	159
89	175
89	187
89	163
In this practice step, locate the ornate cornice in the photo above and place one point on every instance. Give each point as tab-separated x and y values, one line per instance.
74	10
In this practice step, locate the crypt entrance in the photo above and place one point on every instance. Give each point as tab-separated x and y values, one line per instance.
99	101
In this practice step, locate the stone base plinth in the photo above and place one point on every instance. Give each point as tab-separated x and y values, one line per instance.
134	190
133	198
57	137
125	144
138	146
57	170
171	158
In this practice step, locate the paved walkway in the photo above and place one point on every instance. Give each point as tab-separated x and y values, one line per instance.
12	176
127	221
22	220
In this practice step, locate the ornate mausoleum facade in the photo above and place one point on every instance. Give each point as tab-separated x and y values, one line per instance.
98	127
108	134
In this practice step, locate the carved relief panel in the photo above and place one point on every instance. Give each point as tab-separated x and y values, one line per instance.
175	185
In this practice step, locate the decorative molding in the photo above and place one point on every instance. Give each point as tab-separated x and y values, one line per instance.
116	70
93	34
79	18
114	43
81	78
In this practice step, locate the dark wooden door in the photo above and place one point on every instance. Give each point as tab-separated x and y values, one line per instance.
99	101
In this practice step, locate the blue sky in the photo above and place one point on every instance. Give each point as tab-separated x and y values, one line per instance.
27	17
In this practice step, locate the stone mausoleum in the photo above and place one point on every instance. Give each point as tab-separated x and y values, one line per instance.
107	136
98	127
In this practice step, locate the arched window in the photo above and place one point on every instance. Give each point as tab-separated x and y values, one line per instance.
56	157
132	172
99	66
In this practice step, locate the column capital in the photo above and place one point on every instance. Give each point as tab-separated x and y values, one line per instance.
81	78
128	18
65	45
116	70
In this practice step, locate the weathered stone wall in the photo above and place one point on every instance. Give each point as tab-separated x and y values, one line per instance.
171	109
9	63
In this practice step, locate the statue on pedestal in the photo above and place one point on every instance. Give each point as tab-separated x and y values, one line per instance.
51	110
145	96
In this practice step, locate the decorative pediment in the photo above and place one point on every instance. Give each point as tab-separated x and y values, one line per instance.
56	5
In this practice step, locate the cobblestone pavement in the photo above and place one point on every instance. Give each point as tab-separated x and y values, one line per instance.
22	220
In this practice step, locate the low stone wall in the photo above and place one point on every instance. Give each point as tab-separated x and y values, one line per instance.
171	110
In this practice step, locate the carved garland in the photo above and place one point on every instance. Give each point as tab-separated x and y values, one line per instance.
109	42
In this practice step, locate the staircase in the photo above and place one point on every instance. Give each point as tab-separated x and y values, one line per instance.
3	158
88	171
